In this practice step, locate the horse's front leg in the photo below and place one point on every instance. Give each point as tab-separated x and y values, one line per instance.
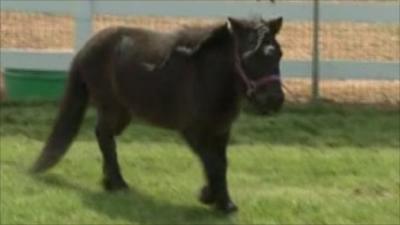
211	150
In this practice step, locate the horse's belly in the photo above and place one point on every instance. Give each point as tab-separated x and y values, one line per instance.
166	109
162	99
169	119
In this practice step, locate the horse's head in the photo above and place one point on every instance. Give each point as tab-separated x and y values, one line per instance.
257	58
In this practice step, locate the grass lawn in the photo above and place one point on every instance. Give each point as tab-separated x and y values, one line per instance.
310	164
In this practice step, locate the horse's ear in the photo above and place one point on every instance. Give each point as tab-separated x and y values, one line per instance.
275	25
234	25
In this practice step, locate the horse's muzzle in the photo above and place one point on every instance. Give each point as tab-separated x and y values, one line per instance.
269	101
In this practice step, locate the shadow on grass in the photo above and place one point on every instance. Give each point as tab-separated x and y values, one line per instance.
136	207
305	125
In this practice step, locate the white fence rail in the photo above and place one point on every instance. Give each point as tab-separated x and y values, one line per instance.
83	11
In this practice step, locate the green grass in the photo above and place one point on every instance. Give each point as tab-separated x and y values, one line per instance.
310	164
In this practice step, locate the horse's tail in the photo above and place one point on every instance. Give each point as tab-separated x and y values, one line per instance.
68	121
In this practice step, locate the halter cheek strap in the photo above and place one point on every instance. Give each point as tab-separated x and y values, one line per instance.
253	85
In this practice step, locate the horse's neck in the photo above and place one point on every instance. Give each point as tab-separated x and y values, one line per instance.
191	36
218	68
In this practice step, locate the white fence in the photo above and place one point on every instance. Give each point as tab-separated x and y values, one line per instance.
83	11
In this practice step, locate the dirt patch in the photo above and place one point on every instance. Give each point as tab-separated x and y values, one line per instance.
36	31
358	41
376	92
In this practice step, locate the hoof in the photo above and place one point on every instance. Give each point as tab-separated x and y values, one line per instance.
110	185
206	197
227	208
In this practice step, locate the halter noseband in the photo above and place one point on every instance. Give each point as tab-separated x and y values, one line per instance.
252	85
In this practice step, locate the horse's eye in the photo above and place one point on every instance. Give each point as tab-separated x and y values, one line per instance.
269	50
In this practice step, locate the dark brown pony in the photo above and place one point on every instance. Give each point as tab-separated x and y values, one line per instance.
190	81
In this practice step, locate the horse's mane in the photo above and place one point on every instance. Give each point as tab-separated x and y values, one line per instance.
195	39
157	47
190	40
192	36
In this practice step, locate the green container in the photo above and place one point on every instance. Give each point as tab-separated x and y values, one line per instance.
34	84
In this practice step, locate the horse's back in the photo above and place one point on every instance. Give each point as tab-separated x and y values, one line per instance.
162	94
113	61
97	58
112	65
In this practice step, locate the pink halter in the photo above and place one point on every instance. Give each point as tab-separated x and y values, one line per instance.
253	85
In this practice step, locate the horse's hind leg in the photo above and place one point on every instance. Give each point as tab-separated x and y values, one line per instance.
211	149
109	125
